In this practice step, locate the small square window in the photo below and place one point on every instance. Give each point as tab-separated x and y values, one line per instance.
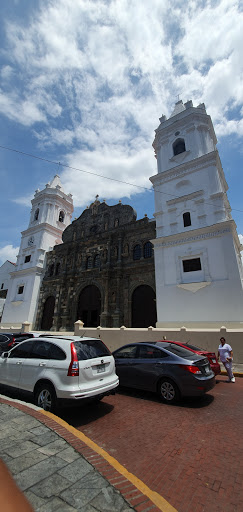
20	290
27	258
192	265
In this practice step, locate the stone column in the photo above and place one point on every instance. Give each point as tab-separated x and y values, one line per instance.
104	316
116	317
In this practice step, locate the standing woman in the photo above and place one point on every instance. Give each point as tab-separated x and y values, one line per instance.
225	354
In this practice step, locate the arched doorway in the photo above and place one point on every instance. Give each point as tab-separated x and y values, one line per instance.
143	307
48	313
89	304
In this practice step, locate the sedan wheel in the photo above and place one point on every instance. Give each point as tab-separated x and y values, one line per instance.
45	397
168	391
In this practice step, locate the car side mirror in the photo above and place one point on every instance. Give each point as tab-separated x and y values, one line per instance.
4	355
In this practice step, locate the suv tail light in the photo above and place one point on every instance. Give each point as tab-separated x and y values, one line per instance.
191	369
73	370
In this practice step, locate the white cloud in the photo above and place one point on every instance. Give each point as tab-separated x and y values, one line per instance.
6	72
93	78
8	253
131	170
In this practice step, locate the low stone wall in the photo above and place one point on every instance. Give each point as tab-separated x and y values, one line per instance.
207	339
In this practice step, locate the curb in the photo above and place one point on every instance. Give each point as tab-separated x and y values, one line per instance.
236	374
133	490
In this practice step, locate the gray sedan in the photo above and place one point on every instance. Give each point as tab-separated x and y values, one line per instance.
170	370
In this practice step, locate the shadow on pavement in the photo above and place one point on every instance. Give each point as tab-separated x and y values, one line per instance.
190	402
76	415
85	413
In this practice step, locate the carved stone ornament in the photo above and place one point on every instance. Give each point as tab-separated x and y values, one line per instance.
193	287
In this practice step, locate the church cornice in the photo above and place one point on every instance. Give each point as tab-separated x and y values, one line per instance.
190	167
52	194
27	271
195	235
198	117
44	226
186	197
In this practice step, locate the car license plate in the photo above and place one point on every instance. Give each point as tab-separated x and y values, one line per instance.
100	368
213	360
207	369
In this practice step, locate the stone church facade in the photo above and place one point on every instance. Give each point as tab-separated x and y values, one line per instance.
102	273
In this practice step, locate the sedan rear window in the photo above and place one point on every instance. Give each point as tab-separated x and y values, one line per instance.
180	351
193	347
90	349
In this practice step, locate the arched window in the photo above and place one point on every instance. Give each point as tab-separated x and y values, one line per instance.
61	216
179	147
89	262
97	261
187	219
36	214
147	250
137	252
116	223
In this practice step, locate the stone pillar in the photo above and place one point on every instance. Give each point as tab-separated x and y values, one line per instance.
25	327
119	250
116	317
108	253
78	328
55	316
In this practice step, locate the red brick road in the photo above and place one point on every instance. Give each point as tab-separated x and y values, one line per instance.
191	453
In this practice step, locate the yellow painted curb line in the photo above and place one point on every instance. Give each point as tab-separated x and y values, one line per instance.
158	500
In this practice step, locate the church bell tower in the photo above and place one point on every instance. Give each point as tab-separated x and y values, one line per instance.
197	250
50	214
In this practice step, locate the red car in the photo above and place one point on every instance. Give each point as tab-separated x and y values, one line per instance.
210	355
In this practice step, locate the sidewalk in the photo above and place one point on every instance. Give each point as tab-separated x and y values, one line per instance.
55	469
237	369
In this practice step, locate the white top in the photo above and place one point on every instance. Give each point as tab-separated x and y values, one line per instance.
224	351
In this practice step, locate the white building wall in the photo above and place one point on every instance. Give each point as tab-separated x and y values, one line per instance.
6	268
193	181
44	231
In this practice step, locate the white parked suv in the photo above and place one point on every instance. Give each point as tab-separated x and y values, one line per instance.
56	369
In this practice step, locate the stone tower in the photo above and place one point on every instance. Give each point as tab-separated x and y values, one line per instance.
197	250
50	214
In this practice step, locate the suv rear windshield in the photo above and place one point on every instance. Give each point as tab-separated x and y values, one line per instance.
90	349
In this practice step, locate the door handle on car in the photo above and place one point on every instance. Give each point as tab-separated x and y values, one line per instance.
42	364
19	362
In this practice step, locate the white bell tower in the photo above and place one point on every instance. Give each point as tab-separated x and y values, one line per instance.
50	214
197	250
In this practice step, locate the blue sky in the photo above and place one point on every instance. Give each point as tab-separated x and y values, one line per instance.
84	82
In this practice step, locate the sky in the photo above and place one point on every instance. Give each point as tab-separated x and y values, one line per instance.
83	84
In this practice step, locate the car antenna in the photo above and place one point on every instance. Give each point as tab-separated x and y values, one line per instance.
83	334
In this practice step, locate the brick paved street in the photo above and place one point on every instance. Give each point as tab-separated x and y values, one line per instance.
191	453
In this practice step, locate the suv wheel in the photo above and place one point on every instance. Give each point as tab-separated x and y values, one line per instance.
45	397
168	391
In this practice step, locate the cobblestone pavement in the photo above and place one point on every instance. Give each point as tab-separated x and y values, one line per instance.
190	453
52	474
